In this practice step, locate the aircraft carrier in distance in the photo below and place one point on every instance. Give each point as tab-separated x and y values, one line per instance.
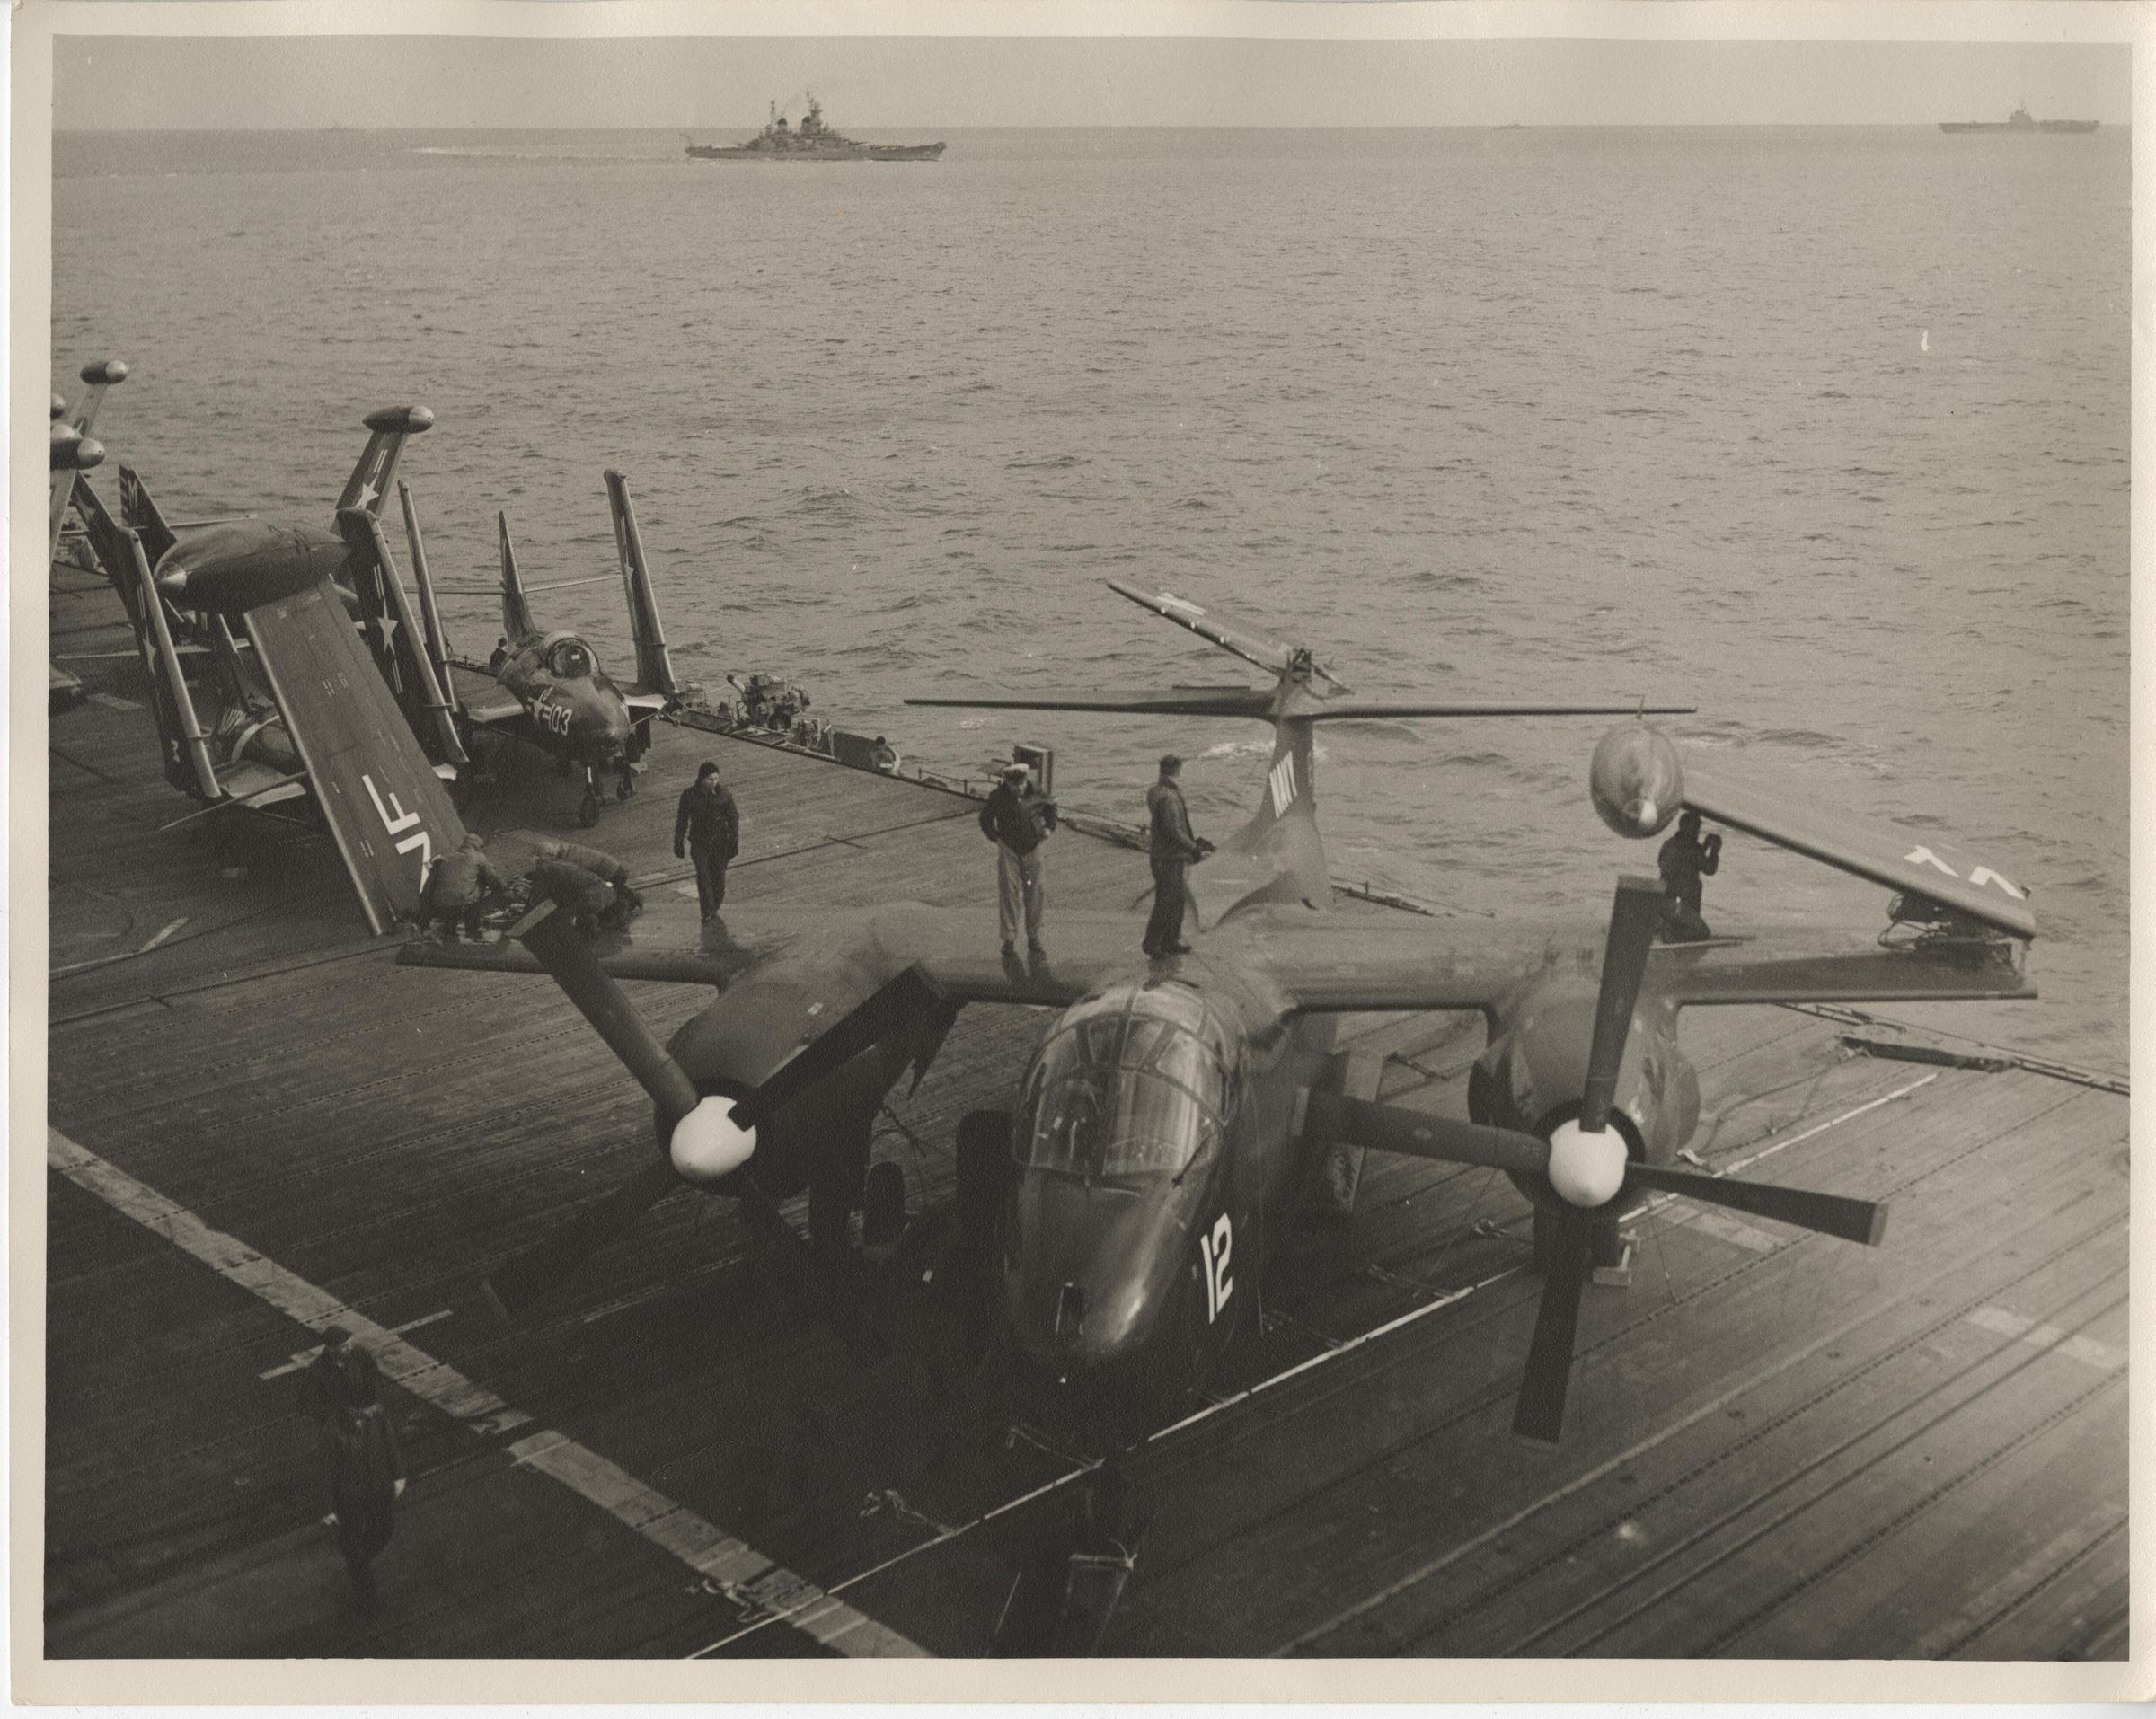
2018	121
811	140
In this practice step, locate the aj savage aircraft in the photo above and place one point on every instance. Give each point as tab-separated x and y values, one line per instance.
289	711
553	694
1170	1118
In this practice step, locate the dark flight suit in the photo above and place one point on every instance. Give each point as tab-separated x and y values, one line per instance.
364	1465
1683	861
1171	850
458	886
711	824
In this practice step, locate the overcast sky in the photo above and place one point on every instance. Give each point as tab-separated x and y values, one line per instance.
933	82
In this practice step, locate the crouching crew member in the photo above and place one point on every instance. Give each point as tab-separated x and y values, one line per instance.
591	886
1683	860
457	887
1018	821
711	824
1172	850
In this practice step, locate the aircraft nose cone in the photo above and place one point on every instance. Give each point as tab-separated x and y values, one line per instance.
1086	1290
708	1145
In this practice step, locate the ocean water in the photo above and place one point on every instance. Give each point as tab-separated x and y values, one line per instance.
1824	430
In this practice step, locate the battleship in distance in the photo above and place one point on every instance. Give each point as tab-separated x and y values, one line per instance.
811	140
2017	121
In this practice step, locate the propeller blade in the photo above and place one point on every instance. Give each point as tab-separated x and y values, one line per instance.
1831	1214
1633	917
1538	1416
538	1268
1331	1117
560	948
906	1002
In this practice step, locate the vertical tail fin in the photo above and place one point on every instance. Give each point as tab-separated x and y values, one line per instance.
654	666
140	513
515	611
1290	793
370	479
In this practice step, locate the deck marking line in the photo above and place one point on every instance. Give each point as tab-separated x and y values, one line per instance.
1649	1207
305	1356
2102	1356
740	1572
113	702
160	936
1847	1116
672	1527
1973	1618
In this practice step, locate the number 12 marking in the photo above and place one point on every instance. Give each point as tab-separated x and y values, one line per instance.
1214	1249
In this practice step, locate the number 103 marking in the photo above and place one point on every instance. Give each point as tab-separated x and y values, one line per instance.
1214	1249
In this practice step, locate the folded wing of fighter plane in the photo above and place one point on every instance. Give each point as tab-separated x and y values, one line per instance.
379	794
387	810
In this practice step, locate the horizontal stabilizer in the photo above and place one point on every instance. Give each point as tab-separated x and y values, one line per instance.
1901	860
1174	701
1247	642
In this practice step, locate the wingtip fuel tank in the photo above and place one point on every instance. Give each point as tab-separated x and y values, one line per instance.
1636	779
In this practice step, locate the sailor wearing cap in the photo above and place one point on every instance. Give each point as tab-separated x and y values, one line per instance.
1018	821
1173	850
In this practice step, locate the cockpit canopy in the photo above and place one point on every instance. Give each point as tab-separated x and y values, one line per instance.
571	659
1133	1082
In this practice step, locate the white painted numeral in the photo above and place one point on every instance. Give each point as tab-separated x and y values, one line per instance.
1214	1249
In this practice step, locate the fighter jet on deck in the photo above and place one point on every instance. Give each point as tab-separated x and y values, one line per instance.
552	693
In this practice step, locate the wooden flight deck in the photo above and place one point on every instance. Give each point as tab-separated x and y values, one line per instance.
1779	1445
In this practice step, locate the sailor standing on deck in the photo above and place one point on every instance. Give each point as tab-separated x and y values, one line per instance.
1018	821
1172	850
710	822
342	1392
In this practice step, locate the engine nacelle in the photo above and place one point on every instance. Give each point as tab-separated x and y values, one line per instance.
1636	780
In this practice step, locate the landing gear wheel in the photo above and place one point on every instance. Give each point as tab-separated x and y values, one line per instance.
833	1197
883	1206
588	809
625	786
